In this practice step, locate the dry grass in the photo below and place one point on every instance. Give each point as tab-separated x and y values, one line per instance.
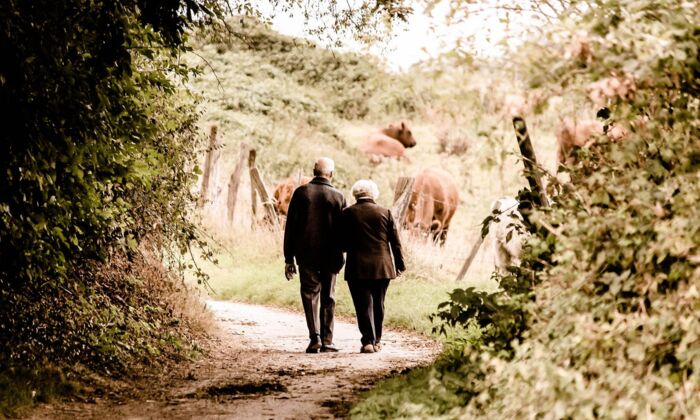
184	300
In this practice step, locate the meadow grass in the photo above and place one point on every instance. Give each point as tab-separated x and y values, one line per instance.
251	269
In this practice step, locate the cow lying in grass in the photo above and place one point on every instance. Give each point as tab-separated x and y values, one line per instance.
389	142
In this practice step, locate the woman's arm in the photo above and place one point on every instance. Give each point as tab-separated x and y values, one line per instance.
395	244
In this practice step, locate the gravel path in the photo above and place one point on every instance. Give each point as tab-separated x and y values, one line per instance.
257	369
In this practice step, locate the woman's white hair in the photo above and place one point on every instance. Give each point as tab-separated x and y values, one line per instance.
365	188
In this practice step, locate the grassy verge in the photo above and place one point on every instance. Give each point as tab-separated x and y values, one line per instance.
422	392
251	270
22	387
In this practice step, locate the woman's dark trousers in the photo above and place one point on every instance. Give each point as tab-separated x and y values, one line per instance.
368	298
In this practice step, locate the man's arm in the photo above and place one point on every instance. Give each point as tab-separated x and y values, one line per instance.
291	228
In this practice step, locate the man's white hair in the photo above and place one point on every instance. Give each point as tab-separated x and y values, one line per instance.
365	188
324	167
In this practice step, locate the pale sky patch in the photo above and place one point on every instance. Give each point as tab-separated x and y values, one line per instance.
425	36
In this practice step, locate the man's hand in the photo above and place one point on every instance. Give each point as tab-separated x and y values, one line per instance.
289	271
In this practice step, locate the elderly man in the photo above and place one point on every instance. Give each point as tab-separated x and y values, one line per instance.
311	237
374	257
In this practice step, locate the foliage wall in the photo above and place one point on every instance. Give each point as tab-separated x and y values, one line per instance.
601	319
96	153
614	325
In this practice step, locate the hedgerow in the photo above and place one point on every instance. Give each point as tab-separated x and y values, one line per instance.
602	318
97	153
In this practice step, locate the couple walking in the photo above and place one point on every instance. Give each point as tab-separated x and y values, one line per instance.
319	229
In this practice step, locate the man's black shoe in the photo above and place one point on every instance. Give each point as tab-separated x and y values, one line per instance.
329	348
314	347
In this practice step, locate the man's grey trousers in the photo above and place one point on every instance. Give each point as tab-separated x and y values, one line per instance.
318	299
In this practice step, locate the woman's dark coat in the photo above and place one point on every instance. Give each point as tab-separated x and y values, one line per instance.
371	240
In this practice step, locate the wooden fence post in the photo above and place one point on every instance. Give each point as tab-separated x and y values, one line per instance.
235	181
253	193
470	258
529	160
402	198
258	184
533	178
213	153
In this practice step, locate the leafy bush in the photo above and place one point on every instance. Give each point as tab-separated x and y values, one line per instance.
611	324
427	391
452	143
98	146
355	86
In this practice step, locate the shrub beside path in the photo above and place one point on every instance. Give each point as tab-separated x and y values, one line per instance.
257	368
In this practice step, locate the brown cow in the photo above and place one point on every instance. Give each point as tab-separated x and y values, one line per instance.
572	134
433	203
283	193
389	142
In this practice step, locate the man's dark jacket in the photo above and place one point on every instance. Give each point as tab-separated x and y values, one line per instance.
311	234
371	241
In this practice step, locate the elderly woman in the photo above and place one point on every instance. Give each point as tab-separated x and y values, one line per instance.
374	257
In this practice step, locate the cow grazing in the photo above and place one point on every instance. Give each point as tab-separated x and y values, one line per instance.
389	142
571	134
283	193
433	203
507	233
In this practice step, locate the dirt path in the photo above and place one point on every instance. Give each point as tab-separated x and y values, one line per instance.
258	369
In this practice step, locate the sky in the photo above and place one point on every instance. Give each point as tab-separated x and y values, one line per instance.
424	35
